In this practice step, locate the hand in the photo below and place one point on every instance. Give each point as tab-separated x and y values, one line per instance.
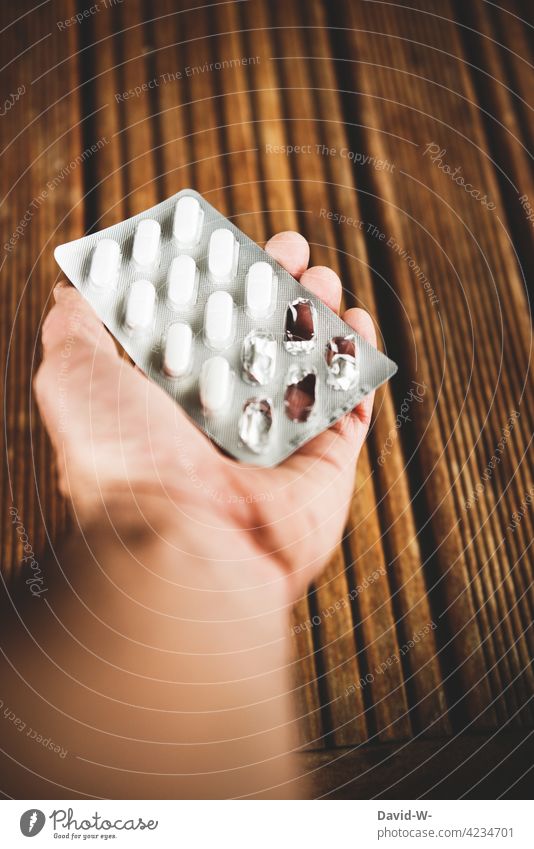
118	436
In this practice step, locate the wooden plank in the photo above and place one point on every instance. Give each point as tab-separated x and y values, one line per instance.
268	112
340	666
470	598
500	112
467	766
136	136
281	215
309	194
314	172
237	136
304	678
405	578
41	192
100	90
382	678
173	131
512	30
209	167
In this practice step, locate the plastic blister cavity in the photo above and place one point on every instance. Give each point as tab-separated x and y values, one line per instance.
215	385
342	361
261	290
187	223
219	321
301	317
145	251
300	394
223	255
178	350
255	424
139	314
258	357
257	361
182	282
105	264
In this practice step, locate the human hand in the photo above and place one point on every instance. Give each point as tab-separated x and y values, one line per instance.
118	436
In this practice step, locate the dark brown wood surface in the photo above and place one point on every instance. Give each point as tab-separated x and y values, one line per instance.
369	85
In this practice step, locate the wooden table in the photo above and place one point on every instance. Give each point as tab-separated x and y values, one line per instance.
414	181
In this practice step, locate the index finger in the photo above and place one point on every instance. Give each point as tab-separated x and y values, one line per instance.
291	250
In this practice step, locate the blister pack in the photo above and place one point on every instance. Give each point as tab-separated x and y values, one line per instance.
258	362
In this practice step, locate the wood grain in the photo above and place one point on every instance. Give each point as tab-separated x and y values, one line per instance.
361	83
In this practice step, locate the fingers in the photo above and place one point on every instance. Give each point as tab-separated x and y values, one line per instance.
74	339
336	450
72	322
325	284
341	444
63	284
291	250
362	323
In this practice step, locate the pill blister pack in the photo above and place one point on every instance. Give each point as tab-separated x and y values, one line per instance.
259	363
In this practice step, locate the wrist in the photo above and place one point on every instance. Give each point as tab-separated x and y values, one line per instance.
149	541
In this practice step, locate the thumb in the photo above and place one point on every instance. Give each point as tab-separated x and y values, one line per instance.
108	424
73	322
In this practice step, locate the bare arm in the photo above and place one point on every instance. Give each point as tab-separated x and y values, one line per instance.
164	675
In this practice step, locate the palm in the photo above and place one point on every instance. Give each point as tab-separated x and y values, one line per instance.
120	431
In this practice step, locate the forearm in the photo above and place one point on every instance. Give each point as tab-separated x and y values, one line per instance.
160	670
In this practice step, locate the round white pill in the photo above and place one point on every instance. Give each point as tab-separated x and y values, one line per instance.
146	243
219	320
140	306
260	290
182	282
178	345
215	385
105	263
187	224
223	255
